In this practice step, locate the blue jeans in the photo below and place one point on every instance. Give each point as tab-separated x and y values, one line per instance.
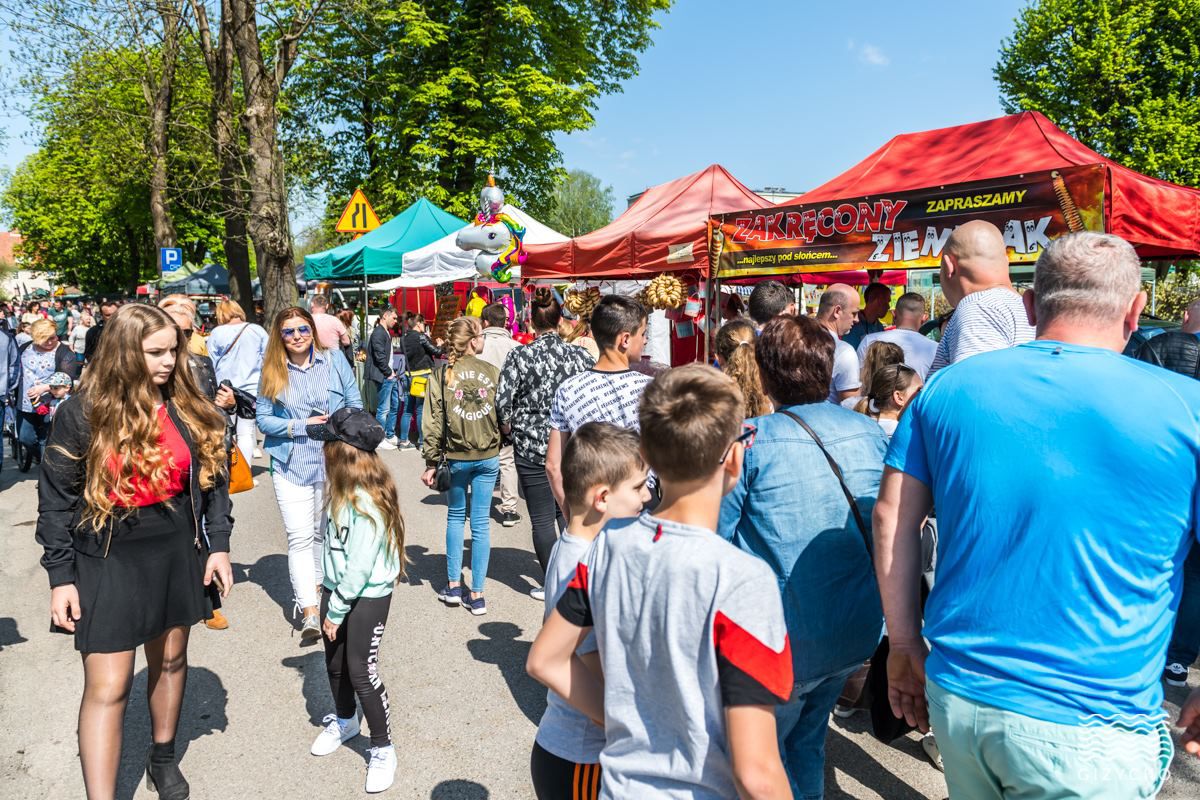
481	477
387	406
801	725
1185	641
993	754
413	406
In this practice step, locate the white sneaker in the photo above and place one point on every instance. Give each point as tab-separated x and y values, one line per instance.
381	770
386	444
538	593
929	745
337	731
258	453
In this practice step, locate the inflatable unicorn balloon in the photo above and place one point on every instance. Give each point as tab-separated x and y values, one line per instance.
498	237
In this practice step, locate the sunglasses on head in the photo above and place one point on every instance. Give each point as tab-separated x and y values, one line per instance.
292	333
746	437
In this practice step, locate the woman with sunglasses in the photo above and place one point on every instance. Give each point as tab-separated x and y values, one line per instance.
788	508
301	385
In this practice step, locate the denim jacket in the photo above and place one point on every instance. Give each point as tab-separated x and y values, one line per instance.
273	416
789	509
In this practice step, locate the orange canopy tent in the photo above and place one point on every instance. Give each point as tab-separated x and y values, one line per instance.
895	207
665	230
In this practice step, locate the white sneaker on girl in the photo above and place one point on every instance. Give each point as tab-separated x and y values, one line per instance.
337	731
381	770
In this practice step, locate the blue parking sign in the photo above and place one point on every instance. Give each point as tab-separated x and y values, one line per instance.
170	259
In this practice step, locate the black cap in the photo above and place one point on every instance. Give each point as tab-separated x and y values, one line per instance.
353	426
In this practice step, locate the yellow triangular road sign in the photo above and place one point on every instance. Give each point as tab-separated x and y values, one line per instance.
358	216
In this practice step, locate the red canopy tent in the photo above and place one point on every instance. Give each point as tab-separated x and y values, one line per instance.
896	207
664	231
1161	219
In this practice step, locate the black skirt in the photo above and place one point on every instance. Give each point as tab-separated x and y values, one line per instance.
151	580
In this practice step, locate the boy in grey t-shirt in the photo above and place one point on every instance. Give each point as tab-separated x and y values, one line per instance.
604	479
689	629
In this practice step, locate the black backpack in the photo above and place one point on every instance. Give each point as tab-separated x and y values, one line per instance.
1174	350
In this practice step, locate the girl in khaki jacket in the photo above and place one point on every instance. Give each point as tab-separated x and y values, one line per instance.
460	427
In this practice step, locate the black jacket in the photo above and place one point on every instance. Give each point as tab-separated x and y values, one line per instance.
91	340
60	497
419	352
1177	351
379	355
205	375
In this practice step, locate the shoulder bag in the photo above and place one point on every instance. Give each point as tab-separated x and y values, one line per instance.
441	473
240	479
885	726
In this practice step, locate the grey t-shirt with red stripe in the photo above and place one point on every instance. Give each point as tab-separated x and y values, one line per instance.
686	624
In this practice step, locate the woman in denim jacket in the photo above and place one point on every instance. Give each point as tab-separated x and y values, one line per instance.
301	385
788	508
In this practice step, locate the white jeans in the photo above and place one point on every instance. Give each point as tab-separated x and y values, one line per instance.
302	509
246	431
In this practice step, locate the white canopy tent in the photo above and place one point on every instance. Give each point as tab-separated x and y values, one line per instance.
442	261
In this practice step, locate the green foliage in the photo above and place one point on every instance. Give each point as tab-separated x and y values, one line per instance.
1173	295
82	201
1119	75
581	204
421	99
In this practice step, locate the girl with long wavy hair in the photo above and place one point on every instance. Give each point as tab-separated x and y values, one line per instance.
301	385
364	557
134	516
735	354
460	407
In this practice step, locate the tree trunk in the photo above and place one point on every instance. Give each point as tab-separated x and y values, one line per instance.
267	223
221	62
157	89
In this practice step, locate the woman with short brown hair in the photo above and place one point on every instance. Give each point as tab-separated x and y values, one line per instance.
788	508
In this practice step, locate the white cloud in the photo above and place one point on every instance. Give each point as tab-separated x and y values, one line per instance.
868	53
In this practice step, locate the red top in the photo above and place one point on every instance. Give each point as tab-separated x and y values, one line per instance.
179	458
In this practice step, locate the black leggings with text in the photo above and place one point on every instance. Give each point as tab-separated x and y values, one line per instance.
352	661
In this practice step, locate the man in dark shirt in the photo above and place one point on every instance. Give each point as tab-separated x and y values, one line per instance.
92	340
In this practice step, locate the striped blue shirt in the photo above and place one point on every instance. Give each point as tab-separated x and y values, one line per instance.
307	395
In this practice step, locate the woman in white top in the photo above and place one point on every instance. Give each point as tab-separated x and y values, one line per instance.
893	386
236	348
79	335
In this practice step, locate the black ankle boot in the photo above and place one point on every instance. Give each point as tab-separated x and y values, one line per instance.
166	779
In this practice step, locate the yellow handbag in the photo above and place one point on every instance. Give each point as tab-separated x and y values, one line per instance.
240	479
418	382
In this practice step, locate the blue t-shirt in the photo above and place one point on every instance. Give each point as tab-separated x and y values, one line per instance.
1065	482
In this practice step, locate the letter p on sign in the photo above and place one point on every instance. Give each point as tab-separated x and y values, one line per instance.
170	259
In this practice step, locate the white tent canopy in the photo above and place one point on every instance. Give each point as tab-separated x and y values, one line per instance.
442	261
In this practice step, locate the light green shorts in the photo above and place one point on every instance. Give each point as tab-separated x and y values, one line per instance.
993	754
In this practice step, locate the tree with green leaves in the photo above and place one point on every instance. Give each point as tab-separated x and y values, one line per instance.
83	201
1119	75
422	99
581	204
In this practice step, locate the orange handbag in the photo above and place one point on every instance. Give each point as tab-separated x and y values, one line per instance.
240	479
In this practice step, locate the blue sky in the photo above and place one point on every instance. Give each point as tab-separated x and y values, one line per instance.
789	93
784	93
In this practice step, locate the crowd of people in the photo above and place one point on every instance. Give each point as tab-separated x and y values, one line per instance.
1010	509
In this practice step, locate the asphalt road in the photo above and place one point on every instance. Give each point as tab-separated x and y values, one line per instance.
464	712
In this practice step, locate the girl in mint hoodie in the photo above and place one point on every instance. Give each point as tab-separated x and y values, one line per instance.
364	557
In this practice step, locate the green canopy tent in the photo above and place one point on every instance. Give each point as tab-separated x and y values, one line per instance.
381	251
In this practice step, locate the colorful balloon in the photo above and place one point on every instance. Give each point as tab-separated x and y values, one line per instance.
498	237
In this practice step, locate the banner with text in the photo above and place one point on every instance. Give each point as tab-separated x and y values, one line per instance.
907	230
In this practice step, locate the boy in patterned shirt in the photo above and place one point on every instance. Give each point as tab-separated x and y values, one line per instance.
609	391
689	629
